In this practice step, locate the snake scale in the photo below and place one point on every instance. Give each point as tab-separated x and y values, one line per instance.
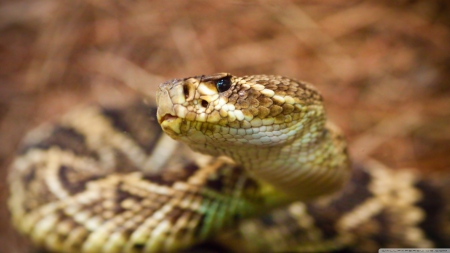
222	163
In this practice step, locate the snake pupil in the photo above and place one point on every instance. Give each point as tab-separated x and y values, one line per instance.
223	84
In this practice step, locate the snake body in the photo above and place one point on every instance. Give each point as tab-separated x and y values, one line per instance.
110	180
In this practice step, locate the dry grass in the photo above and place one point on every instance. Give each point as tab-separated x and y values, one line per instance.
383	66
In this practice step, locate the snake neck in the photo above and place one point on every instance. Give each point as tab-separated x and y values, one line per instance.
301	169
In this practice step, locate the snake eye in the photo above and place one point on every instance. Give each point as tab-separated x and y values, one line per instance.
223	84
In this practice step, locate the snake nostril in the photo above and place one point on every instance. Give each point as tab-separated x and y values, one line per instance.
186	91
204	103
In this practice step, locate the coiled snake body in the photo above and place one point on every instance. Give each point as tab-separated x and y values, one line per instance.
110	180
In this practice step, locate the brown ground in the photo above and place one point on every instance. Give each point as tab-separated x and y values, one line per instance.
383	66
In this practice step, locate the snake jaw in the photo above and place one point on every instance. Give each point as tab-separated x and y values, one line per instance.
167	117
171	125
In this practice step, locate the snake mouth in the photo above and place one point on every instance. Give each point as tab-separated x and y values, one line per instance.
167	118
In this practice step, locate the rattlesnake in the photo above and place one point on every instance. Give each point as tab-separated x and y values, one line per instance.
109	179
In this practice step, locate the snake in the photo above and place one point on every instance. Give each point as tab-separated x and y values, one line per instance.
220	163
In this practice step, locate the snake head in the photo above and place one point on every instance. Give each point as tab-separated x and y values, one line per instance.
261	110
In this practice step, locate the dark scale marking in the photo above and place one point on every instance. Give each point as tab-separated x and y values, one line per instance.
432	203
65	138
138	122
190	169
123	163
29	176
168	178
217	182
71	185
116	117
354	193
384	237
324	218
122	195
182	232
225	178
174	214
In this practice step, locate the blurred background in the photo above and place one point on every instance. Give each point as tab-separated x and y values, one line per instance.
383	66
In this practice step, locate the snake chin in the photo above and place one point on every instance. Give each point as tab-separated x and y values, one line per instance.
170	124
